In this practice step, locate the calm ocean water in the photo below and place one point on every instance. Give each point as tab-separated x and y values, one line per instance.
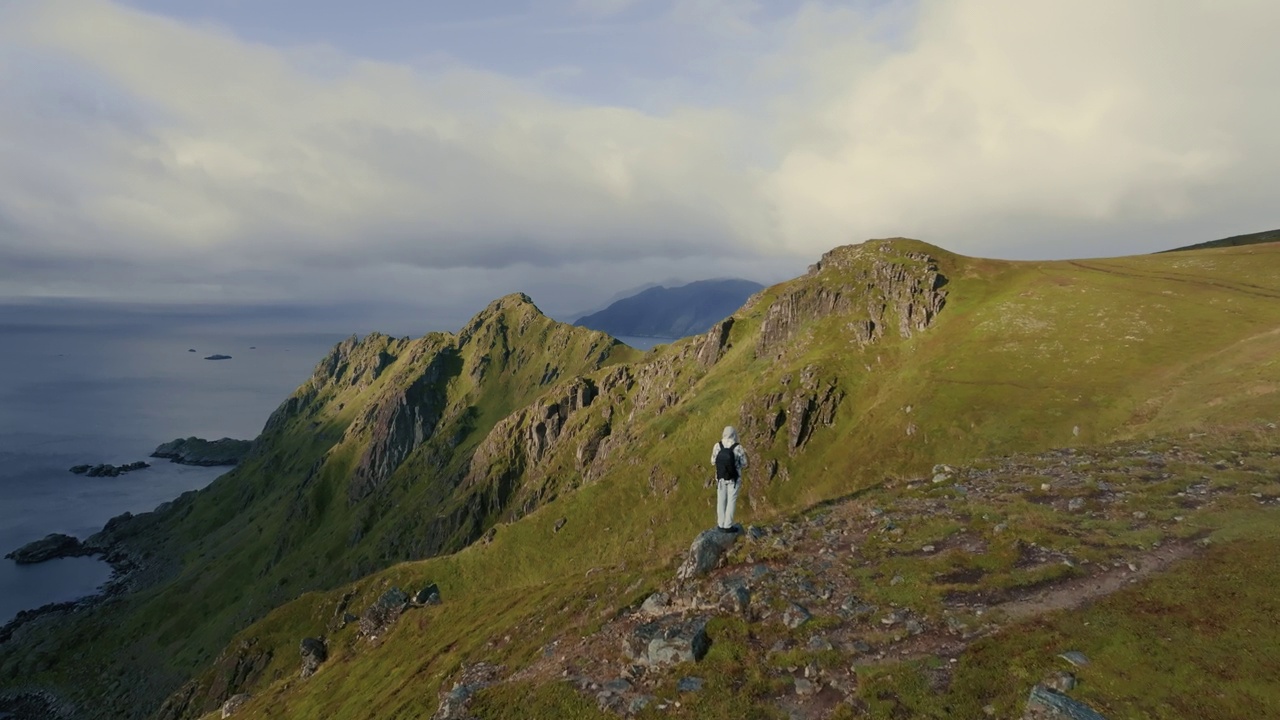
108	391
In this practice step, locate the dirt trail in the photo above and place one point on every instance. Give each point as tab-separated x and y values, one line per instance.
1079	591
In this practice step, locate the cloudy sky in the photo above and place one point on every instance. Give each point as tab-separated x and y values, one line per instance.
438	154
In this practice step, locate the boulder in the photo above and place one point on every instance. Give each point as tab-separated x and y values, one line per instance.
314	652
668	641
429	595
55	545
706	552
1047	704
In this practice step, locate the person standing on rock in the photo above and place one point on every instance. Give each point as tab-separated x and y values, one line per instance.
730	460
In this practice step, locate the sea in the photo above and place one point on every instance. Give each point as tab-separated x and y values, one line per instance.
85	384
88	386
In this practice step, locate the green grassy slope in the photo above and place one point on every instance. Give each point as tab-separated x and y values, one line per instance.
1021	356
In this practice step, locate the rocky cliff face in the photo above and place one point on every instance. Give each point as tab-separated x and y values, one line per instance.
400	422
877	284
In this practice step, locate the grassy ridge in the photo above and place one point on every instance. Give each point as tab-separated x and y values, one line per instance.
1023	354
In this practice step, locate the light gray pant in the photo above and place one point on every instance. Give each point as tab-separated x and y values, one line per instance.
726	498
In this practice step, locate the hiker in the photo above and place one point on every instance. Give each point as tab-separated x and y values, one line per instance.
729	460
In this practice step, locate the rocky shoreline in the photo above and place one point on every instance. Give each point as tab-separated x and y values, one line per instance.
123	568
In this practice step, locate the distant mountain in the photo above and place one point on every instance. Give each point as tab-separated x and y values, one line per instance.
1233	241
672	312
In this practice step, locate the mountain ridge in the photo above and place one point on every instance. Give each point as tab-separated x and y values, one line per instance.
672	312
520	422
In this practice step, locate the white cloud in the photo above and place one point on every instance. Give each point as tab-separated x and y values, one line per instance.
1011	116
984	126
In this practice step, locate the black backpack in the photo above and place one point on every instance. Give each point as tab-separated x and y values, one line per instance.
726	463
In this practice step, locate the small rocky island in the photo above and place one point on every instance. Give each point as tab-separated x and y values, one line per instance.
196	451
54	545
106	470
218	357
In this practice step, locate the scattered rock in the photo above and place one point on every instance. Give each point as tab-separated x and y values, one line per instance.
656	604
805	687
1075	657
690	684
818	643
706	552
738	600
795	616
314	652
234	703
1046	704
1075	504
640	703
1061	681
620	685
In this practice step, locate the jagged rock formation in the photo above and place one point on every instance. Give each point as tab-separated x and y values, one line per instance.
314	652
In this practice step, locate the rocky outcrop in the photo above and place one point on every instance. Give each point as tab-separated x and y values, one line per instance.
524	440
714	343
706	552
876	284
808	403
54	545
196	451
314	652
383	613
